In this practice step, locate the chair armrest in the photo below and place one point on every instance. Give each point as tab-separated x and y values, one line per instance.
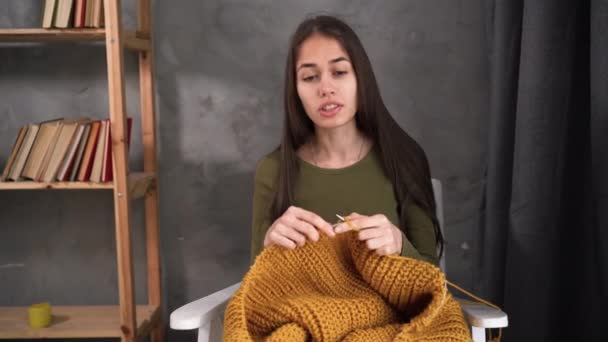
483	316
200	312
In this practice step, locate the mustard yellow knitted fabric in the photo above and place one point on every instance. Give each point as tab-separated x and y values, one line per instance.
336	289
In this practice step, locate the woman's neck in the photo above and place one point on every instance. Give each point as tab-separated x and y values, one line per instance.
337	147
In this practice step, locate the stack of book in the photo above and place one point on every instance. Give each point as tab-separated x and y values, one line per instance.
63	150
72	13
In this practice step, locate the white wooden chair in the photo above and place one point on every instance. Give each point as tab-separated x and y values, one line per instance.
207	314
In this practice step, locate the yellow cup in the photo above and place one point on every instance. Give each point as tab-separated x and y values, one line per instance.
39	315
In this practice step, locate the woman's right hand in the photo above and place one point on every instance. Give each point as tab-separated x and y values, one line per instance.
294	227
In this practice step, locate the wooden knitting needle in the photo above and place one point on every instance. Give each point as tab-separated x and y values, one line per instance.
351	226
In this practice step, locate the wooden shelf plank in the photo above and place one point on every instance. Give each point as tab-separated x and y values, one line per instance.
139	183
75	322
31	185
50	35
134	40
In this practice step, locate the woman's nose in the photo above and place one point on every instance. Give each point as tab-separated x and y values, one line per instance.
326	89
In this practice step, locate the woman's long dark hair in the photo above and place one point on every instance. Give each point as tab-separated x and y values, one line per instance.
403	160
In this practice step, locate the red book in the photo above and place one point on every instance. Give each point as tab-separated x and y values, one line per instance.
80	10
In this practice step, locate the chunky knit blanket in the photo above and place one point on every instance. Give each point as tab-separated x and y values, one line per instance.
338	290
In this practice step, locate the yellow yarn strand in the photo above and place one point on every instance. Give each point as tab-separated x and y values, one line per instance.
497	338
472	295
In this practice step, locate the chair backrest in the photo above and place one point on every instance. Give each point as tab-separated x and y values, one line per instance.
439	212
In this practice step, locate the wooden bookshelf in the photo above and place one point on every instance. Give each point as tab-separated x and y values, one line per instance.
75	322
133	40
126	321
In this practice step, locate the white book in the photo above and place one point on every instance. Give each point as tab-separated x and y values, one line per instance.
49	11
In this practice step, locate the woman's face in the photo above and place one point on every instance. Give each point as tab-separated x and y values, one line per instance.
326	82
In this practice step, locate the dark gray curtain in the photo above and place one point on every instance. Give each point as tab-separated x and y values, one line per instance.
543	239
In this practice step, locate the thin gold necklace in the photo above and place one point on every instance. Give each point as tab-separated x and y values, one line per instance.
314	160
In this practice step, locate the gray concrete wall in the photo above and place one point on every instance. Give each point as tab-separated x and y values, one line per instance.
219	72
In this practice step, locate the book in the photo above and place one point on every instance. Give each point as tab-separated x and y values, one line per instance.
48	16
24	152
64	13
70	155
97	161
80	10
96	13
64	137
84	170
13	155
107	152
75	166
38	155
49	151
102	16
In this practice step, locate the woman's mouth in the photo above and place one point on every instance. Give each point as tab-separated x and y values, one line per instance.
329	110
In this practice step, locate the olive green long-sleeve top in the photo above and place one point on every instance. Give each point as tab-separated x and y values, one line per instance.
361	187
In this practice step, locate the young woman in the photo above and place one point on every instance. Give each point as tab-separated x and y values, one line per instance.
342	152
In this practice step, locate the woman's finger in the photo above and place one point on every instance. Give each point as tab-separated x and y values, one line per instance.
291	234
378	242
282	241
305	228
354	215
371	233
386	250
366	222
313	219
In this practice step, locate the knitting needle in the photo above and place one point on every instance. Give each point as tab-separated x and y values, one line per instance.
337	223
347	222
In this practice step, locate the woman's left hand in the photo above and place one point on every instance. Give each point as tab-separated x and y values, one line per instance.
377	231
